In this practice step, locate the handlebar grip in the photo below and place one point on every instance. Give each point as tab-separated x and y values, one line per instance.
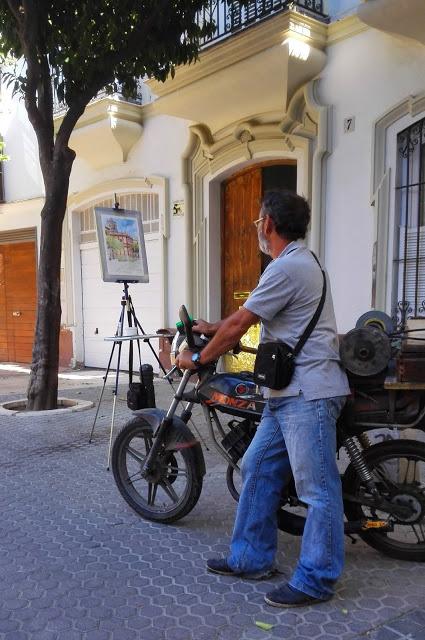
185	318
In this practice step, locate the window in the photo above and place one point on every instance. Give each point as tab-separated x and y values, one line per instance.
409	260
147	203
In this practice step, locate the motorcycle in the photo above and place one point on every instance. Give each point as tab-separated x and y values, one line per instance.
159	467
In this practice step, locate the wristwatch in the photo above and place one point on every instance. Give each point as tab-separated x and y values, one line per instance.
196	358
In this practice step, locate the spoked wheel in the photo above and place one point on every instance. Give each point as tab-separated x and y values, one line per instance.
398	468
175	482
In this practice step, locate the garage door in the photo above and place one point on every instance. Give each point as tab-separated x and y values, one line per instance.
102	307
17	300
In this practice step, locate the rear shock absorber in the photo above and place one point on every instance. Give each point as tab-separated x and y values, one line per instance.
357	458
364	440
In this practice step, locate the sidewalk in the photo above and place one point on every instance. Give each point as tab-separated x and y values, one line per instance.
77	564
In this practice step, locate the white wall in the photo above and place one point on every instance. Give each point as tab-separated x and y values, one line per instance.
338	9
365	76
21	215
22	172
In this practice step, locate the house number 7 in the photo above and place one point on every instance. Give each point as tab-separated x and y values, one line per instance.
349	124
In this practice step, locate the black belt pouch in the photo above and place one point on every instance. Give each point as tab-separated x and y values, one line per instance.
274	365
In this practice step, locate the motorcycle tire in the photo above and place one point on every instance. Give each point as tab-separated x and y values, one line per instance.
176	483
398	467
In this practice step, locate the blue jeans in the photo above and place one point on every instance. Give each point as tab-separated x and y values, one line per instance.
298	435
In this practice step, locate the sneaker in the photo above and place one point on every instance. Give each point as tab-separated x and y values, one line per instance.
220	566
287	596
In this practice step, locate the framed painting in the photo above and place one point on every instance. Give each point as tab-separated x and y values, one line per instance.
121	245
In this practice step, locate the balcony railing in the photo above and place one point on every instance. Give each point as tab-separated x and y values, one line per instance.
231	18
59	106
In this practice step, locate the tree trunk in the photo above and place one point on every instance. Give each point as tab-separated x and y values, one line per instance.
43	383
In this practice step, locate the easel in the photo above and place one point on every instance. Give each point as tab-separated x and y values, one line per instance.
127	311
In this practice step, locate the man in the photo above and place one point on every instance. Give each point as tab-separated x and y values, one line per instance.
297	429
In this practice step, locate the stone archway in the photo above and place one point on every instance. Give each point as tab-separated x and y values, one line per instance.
302	135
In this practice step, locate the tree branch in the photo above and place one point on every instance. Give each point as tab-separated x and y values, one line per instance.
14	7
69	121
45	96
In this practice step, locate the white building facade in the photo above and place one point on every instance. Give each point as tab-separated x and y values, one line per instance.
324	98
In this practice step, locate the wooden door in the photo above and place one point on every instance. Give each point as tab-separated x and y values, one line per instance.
241	261
17	301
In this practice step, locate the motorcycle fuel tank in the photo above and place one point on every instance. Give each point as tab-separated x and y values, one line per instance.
232	393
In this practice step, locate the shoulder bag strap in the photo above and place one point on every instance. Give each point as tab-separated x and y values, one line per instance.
316	316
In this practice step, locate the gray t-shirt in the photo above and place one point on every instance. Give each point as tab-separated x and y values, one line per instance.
285	299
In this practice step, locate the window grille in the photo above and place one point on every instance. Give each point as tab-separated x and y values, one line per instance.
409	259
146	203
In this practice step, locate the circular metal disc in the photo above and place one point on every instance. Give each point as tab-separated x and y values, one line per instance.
378	320
365	352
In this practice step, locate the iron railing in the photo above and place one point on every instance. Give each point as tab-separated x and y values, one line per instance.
230	17
409	258
60	106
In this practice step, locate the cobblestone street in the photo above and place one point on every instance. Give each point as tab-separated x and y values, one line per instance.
77	564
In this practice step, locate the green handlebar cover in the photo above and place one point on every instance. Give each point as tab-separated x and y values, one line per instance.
180	325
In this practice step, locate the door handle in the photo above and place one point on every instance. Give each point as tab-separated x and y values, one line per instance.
16	313
241	295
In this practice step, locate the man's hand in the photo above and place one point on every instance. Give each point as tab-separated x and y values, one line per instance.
207	328
184	360
229	332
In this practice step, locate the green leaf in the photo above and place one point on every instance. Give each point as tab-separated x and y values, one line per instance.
265	626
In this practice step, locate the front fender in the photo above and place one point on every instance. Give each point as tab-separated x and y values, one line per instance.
152	417
178	435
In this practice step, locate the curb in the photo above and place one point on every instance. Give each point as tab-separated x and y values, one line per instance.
69	405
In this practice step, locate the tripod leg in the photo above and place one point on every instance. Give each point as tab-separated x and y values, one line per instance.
137	324
111	432
105	377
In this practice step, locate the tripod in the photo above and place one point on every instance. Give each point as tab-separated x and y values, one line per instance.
127	311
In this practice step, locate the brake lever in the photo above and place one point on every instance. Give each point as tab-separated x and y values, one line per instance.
173	370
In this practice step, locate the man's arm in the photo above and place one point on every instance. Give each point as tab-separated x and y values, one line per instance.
229	333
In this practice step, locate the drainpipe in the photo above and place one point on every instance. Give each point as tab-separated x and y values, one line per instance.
165	234
188	216
318	185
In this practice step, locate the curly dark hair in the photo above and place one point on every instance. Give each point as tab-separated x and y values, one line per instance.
289	212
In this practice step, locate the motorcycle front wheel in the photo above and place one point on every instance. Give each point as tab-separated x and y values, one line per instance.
398	468
175	483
